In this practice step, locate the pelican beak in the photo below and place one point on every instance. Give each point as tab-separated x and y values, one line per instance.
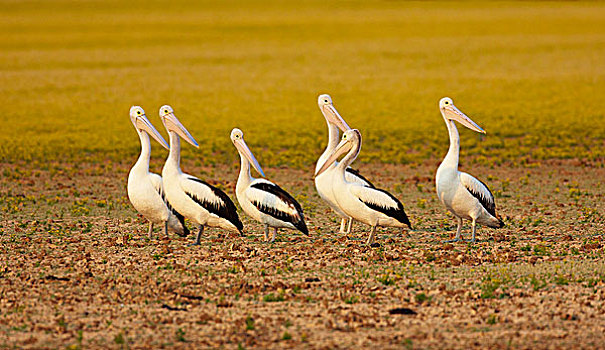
173	124
343	147
243	148
332	116
453	113
143	124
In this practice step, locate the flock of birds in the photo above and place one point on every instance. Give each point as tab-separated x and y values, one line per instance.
169	199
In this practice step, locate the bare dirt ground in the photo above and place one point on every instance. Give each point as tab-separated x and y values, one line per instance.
78	271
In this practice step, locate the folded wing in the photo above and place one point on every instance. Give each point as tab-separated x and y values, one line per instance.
480	191
353	175
381	201
272	200
212	199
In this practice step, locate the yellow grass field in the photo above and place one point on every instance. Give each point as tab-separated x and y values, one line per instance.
78	271
531	74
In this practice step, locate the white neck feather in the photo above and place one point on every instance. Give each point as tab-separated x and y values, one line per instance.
451	159
348	159
245	178
333	138
143	161
174	156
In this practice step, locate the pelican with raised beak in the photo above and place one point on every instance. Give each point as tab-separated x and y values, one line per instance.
369	205
323	182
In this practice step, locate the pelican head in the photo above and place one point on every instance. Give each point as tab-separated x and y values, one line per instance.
237	137
330	113
350	139
450	112
171	123
141	123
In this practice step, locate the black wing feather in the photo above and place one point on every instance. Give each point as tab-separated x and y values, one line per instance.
181	219
277	191
396	213
356	173
227	211
178	215
488	203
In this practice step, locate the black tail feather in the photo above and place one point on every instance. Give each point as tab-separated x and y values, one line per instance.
181	219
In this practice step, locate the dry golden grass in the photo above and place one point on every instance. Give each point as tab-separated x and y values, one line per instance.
530	73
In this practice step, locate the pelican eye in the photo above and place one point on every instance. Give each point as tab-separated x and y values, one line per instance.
326	101
139	112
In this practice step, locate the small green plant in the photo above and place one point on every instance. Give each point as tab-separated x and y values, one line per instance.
492	319
249	323
351	299
561	280
488	288
386	279
421	298
536	283
540	250
286	336
119	339
180	335
270	298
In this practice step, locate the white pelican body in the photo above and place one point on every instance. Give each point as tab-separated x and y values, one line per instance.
463	195
324	181
144	188
261	199
372	206
197	200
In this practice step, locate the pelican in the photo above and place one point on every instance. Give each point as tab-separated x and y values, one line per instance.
197	200
144	188
323	182
463	195
263	200
372	206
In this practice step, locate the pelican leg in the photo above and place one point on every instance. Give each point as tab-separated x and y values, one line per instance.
266	233
474	229
350	228
343	225
274	234
458	231
166	227
371	238
199	235
150	231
